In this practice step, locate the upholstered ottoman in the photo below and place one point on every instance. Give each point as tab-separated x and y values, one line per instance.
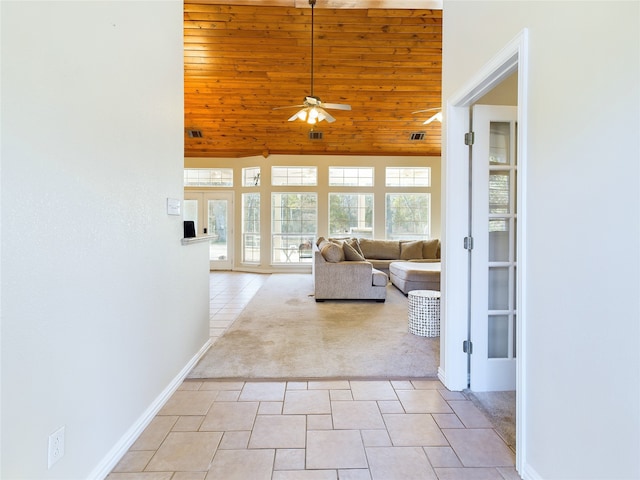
407	276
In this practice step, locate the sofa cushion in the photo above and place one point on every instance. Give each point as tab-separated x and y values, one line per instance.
331	252
350	253
380	249
431	248
411	250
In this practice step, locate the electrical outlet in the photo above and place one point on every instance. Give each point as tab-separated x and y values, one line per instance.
56	446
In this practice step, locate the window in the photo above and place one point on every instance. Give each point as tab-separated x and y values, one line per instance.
408	216
351	214
294	218
408	177
294	176
351	176
251	177
251	227
208	177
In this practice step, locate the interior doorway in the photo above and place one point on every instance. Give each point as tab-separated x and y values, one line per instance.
456	346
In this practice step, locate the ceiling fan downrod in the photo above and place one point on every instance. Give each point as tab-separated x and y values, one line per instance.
312	3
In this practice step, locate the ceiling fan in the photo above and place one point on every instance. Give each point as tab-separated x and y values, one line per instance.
313	109
437	116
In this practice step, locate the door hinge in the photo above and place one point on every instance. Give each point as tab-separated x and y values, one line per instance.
469	138
468	243
467	346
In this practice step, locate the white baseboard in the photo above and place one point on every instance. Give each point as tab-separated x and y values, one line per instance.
529	473
122	446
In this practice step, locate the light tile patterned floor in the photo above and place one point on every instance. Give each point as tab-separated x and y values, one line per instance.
298	430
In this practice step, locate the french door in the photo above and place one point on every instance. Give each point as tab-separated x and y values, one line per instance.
494	255
212	213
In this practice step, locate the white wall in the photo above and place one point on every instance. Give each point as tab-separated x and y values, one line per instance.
582	387
102	307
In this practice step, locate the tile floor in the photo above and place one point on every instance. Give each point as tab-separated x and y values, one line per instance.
327	429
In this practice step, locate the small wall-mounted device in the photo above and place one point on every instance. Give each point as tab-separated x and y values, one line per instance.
173	206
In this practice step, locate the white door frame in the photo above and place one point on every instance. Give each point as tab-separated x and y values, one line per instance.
453	361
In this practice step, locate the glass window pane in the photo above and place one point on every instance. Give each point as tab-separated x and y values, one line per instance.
294	176
499	192
217	226
498	288
208	177
351	214
408	177
408	216
251	177
498	336
499	143
293	226
251	227
190	212
499	240
351	176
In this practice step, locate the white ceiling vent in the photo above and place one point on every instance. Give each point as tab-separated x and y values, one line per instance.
194	133
416	136
315	135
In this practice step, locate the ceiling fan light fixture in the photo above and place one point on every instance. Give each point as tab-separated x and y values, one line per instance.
313	111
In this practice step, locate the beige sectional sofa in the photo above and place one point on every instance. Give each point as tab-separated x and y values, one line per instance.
351	268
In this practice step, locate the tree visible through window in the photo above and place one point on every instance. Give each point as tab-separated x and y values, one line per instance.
408	216
294	219
251	227
351	214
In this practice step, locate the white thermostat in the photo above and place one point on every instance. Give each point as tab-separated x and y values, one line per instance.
173	206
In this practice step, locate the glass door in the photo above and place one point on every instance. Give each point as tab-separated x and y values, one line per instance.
212	213
494	255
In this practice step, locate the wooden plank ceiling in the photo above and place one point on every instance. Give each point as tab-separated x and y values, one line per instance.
242	60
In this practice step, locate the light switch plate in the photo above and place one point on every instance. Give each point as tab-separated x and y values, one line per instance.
173	206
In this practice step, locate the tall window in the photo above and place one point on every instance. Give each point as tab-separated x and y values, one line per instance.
294	219
351	214
408	216
251	227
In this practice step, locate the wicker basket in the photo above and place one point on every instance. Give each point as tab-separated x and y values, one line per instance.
424	313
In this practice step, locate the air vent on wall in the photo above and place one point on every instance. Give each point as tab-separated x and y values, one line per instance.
417	136
315	135
194	133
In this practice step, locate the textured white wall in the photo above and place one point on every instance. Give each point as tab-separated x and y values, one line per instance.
101	305
583	273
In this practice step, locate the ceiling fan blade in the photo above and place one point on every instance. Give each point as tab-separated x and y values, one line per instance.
290	106
337	106
426	110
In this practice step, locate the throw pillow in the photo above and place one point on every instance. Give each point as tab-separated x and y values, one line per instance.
332	253
319	241
411	250
350	253
356	245
431	248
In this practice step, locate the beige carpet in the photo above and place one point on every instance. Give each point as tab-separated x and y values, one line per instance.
284	333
